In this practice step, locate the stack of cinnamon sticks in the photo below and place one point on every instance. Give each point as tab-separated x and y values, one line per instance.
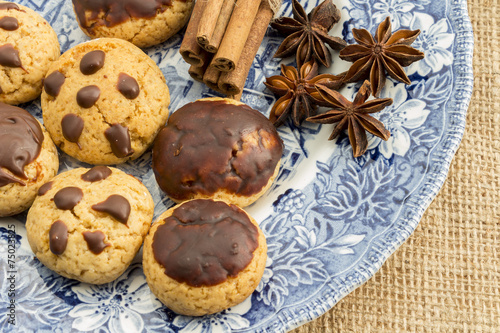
221	41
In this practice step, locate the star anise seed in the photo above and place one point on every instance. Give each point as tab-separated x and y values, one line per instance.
352	115
307	34
387	52
299	96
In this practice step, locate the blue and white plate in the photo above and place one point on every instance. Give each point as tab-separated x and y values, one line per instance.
331	220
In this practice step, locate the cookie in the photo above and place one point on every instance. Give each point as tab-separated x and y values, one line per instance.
28	45
104	101
88	224
217	148
142	22
204	256
28	159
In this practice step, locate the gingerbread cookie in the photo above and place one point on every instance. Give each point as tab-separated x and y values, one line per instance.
104	101
28	159
217	148
88	224
28	45
204	256
142	22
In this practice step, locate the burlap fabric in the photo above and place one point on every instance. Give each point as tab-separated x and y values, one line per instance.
446	277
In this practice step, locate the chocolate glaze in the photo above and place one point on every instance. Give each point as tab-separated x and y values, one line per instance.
119	140
204	242
9	23
95	241
92	62
128	86
96	174
53	83
44	188
116	206
9	56
8	5
72	127
21	140
58	237
87	96
68	197
200	150
95	13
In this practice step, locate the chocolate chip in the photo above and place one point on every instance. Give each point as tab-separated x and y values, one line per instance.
72	127
96	174
58	237
116	206
8	5
44	188
87	96
92	62
9	56
9	23
95	241
119	140
128	86
53	83
68	197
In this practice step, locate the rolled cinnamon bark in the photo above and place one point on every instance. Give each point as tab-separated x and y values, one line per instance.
232	83
211	78
237	33
220	26
190	51
208	22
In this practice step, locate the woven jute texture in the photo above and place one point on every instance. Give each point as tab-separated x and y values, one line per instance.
446	277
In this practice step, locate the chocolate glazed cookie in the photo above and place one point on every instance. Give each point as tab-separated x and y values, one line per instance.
141	22
215	148
204	256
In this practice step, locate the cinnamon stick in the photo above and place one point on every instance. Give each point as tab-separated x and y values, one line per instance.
211	78
220	26
232	83
208	21
190	51
236	35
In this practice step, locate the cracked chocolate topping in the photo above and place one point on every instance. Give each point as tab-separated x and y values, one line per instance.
95	241
92	62
96	174
72	127
87	96
204	242
58	237
94	13
119	140
44	188
116	206
53	83
21	140
68	197
128	86
9	5
9	56
9	23
211	145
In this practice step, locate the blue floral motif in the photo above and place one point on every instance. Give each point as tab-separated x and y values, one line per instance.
118	304
224	322
330	220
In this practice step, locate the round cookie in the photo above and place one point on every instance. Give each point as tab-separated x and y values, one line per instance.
28	159
28	45
142	22
104	101
217	148
88	224
204	256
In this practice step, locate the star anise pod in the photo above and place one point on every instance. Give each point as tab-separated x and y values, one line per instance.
307	34
353	115
387	52
298	93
